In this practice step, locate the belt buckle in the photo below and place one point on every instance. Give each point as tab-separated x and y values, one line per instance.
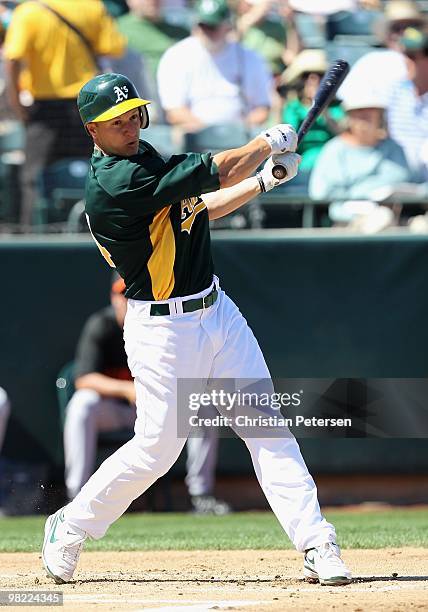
209	300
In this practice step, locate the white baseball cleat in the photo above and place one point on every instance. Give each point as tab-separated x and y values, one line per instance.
61	547
323	564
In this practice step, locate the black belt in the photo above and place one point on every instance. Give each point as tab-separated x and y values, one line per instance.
188	305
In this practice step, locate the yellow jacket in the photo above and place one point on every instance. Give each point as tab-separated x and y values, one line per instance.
56	63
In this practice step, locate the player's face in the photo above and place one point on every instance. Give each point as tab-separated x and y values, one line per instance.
312	81
213	37
118	136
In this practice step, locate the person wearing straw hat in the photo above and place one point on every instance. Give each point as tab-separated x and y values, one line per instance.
302	78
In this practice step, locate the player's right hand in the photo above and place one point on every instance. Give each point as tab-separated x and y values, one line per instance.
282	138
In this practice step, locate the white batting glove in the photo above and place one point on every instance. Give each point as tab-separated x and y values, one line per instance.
266	179
282	138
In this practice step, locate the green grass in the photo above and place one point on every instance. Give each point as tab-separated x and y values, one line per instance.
256	530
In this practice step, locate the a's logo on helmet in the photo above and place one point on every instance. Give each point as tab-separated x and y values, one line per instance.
121	93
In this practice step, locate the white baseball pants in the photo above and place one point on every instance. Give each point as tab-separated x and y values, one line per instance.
89	414
206	344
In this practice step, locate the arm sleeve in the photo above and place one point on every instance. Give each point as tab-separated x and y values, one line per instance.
145	188
89	352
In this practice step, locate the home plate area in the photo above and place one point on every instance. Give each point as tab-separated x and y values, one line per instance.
199	581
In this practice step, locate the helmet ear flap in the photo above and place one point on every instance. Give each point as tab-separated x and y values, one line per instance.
144	118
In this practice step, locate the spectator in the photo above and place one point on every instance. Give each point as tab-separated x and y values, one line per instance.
206	79
352	165
407	110
105	395
105	401
378	70
6	113
268	27
148	32
328	7
304	76
51	59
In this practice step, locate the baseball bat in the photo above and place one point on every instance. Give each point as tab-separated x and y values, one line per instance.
327	89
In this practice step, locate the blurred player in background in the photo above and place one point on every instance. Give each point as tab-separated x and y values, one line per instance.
104	400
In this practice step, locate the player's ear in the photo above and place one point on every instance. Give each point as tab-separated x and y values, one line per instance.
144	117
91	128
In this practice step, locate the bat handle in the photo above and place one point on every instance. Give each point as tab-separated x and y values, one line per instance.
279	171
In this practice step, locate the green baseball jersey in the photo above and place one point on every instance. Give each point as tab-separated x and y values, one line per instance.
150	222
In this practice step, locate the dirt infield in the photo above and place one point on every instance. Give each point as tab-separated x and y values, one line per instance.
198	581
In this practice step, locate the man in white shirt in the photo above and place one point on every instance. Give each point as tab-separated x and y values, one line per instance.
207	79
407	110
379	70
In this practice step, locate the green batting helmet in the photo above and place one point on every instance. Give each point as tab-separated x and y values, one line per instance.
107	96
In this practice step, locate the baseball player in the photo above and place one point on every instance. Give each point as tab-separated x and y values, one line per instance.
149	218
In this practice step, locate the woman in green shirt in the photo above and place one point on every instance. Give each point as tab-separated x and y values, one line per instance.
303	77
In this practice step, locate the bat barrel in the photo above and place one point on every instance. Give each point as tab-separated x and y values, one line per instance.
327	89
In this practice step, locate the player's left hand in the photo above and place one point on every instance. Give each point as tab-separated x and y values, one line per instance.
282	138
290	161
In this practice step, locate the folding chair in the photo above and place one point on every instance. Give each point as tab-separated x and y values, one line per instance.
60	186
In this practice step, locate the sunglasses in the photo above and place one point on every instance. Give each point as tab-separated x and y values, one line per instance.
209	27
399	27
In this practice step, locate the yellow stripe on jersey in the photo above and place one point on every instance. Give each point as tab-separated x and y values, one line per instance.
161	262
102	249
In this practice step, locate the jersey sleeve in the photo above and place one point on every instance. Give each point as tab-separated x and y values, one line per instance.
147	185
89	352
